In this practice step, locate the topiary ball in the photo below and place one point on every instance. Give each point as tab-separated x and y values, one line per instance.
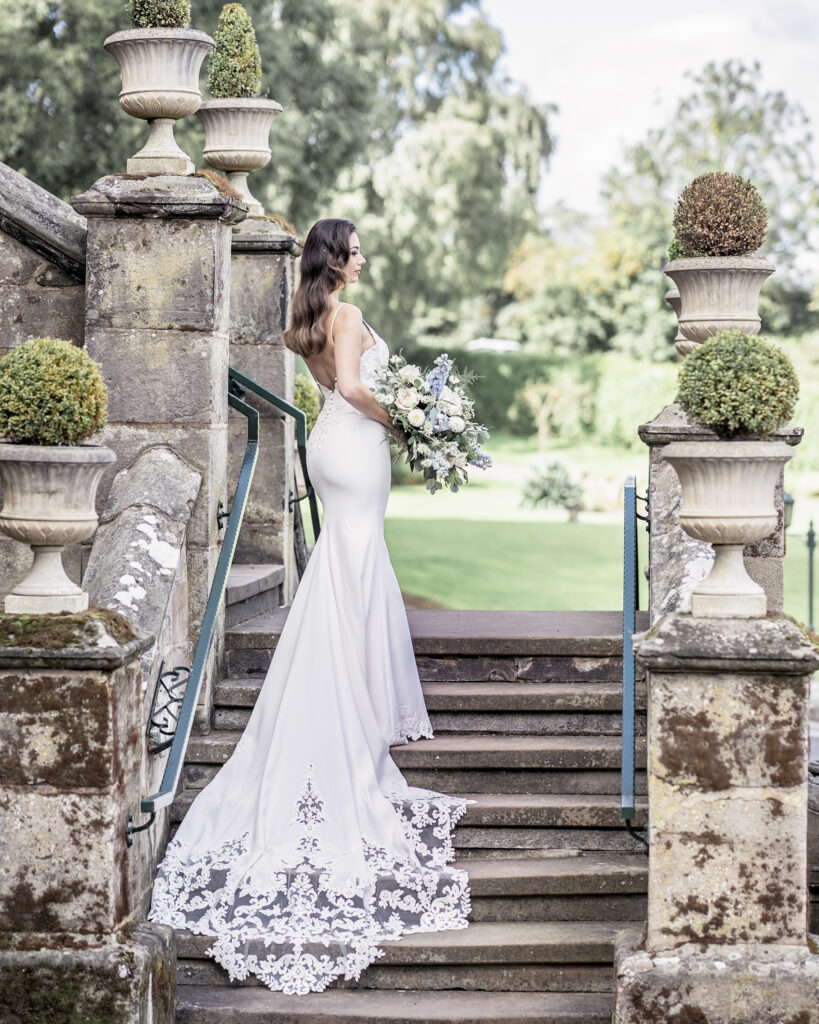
719	214
306	398
234	68
160	13
51	392
738	385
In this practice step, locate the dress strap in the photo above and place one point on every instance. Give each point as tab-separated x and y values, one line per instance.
338	307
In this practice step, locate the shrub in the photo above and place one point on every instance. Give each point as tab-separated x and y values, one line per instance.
552	487
719	214
160	13
738	385
306	398
235	68
50	393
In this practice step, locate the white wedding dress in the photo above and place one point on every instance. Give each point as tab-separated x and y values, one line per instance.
309	849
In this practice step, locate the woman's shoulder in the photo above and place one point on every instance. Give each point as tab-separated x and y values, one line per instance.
349	312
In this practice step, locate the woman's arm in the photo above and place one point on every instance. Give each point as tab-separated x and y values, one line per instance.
347	338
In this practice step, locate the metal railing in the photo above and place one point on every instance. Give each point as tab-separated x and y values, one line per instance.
631	605
237	382
172	711
184	720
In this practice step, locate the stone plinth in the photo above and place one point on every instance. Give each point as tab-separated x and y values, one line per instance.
678	562
727	769
72	943
157	319
262	282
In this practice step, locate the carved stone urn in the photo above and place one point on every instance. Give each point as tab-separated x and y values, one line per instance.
160	84
48	501
718	293
237	134
681	343
728	492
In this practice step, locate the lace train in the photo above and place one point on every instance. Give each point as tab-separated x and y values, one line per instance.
297	933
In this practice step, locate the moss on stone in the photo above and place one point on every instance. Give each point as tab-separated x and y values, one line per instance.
66	629
219	182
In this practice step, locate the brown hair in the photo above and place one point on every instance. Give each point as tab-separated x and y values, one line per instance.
326	252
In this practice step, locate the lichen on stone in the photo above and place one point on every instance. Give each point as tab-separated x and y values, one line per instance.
92	628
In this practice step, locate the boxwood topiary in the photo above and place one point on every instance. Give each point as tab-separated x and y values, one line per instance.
719	214
234	68
51	392
738	385
160	13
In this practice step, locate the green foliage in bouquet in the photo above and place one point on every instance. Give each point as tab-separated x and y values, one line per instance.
306	398
50	393
738	385
160	13
235	67
718	214
551	486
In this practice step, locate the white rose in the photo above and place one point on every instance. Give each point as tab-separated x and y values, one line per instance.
409	372
449	402
406	398
456	424
416	418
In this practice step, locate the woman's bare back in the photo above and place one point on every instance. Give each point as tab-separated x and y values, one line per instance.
323	365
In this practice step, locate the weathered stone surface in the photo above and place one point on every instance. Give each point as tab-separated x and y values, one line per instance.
678	562
126	980
71	759
138	562
727	770
262	283
187	370
726	984
15	562
42	222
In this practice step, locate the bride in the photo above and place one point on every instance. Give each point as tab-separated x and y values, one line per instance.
309	849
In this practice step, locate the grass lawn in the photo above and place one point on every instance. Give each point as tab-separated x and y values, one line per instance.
488	563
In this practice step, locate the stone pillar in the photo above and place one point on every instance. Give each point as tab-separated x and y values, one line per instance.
157	319
727	937
677	562
73	943
262	279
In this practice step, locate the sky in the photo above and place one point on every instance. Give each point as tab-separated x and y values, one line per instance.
615	70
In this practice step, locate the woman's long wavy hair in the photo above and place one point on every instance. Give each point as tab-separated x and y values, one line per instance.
326	252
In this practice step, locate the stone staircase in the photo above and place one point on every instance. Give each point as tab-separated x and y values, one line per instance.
526	710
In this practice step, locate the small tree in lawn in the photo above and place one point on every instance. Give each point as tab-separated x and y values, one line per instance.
552	487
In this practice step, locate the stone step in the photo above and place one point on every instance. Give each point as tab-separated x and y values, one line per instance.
218	1005
476	645
525	822
252	590
501	707
577	753
513	942
198	775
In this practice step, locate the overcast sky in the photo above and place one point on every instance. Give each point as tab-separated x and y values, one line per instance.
616	69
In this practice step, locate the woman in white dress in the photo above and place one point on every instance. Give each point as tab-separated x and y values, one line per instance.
309	849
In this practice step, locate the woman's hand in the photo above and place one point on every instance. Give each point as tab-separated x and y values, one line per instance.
397	434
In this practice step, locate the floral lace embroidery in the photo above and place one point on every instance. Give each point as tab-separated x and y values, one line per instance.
298	933
335	406
413	727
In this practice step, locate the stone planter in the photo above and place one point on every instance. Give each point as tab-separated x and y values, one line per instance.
728	490
48	502
718	293
237	133
160	83
681	343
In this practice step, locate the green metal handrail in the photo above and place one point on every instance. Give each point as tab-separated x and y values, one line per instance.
301	435
178	747
631	605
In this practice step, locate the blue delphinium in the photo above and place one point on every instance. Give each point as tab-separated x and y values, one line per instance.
481	459
437	376
441	422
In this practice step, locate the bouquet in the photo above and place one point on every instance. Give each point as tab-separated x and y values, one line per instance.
435	416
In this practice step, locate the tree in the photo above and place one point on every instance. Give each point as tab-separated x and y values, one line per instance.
728	122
